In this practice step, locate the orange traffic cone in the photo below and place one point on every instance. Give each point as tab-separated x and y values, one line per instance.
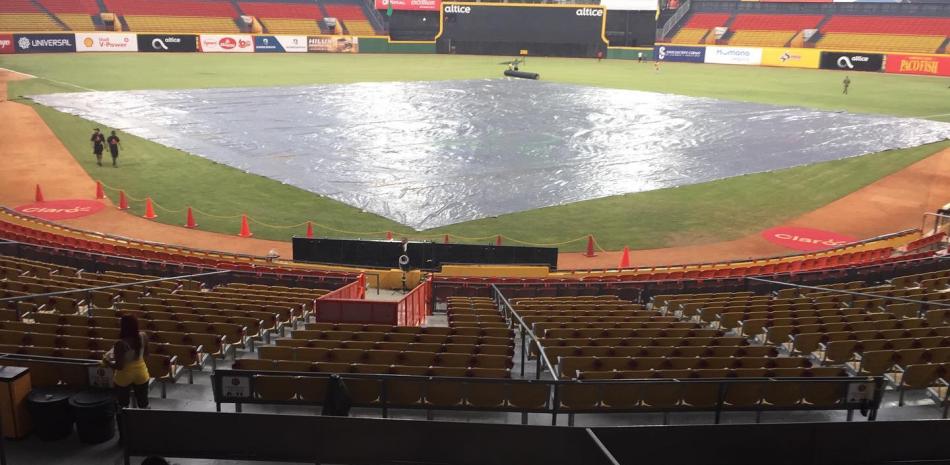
445	240
123	202
38	197
100	194
190	221
498	240
389	235
309	229
590	246
149	210
625	258
245	229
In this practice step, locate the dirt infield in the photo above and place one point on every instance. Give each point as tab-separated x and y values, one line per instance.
33	155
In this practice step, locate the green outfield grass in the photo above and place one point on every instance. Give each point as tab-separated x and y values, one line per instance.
719	210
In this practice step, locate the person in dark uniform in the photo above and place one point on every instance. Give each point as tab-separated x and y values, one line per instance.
114	145
846	83
98	143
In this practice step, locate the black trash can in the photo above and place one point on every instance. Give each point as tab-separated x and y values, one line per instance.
95	415
50	412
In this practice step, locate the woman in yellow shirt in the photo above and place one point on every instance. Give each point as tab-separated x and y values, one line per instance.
127	358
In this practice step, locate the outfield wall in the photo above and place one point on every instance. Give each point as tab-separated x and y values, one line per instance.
785	57
808	58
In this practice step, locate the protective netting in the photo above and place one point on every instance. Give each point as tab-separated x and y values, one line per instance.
429	154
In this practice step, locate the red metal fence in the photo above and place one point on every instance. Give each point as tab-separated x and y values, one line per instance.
348	304
416	305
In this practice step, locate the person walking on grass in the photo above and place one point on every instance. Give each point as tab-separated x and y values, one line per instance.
98	142
846	83
114	146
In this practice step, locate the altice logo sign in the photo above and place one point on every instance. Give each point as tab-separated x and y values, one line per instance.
589	12
457	9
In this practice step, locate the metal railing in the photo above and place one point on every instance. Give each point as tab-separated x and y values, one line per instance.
673	21
923	303
390	392
526	333
112	286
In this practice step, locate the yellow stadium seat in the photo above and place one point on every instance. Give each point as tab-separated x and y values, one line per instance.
17	22
881	42
761	38
77	21
290	26
183	24
689	36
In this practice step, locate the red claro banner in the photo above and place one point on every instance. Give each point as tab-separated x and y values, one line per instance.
918	64
409	5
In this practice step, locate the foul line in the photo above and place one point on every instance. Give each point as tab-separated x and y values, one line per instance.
50	80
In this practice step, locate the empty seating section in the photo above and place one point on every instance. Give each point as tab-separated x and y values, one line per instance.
382	349
839	32
352	17
888	25
707	20
757	22
204	8
187	324
153	256
867	335
761	38
77	21
182	24
474	312
689	36
87	7
25	22
881	42
885	33
176	16
285	18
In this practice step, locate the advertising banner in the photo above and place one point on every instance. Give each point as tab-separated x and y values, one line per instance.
6	43
227	43
848	61
168	43
791	57
333	44
677	53
409	5
106	42
734	55
289	44
44	43
917	64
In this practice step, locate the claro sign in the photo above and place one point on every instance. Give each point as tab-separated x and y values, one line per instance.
928	65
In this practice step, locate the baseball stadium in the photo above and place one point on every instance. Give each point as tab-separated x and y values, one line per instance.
434	232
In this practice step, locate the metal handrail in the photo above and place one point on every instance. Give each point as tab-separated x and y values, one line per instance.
842	291
525	330
112	286
674	20
552	405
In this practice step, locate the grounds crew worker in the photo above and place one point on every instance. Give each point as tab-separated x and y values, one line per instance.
846	83
114	146
97	140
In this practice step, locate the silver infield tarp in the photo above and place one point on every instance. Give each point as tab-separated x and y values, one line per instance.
428	154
